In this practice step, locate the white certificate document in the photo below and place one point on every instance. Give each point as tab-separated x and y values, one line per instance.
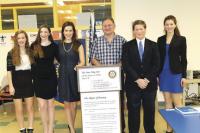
93	79
101	112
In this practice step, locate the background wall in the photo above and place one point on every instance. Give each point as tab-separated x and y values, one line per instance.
3	53
154	12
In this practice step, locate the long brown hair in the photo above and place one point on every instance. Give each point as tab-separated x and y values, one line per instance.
173	18
16	59
75	41
36	45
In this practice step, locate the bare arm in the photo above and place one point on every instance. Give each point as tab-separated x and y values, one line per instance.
81	57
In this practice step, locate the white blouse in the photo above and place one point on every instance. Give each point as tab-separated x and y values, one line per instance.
25	63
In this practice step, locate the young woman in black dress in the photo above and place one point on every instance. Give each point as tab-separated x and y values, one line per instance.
19	61
44	75
71	55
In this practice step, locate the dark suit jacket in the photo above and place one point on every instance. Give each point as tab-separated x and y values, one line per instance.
135	68
177	54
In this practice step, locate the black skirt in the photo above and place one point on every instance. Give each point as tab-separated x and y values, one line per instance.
45	88
22	83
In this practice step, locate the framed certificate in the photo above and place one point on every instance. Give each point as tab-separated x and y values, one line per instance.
91	79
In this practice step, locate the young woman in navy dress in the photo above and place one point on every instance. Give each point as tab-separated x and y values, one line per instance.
71	55
172	78
19	61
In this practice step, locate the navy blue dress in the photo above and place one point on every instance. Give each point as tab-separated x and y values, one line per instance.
67	81
168	81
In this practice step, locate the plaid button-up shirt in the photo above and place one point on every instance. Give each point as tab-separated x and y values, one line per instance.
107	53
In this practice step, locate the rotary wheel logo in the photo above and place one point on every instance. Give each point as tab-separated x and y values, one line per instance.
112	74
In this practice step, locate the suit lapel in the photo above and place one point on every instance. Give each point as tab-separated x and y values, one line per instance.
146	48
136	50
173	41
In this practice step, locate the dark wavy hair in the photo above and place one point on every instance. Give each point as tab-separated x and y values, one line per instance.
173	18
36	45
75	41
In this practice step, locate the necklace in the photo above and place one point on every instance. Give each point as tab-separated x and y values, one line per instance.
68	50
46	43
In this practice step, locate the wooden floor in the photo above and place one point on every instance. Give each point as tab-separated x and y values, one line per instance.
8	123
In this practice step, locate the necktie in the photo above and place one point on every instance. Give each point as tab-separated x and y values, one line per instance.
141	50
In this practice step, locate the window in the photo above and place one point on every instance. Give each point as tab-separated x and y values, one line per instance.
43	15
100	12
7	19
67	10
67	13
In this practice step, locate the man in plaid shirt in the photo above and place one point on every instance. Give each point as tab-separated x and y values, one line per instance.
107	50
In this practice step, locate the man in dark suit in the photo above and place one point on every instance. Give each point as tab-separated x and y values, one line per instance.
140	60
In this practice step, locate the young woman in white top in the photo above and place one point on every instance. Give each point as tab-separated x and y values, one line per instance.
19	61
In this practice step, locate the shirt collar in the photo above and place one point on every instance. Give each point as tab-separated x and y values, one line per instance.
112	38
138	40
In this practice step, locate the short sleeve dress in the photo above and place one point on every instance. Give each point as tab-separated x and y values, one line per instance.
44	73
67	81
